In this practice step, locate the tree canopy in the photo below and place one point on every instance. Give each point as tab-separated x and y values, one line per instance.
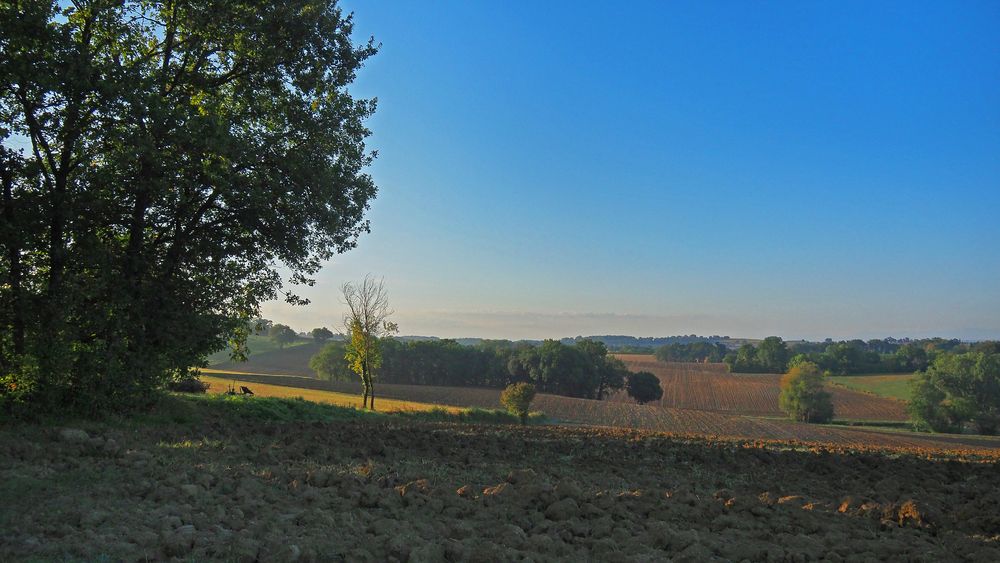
802	396
644	387
583	370
321	334
957	389
516	398
330	363
282	335
691	352
178	154
849	356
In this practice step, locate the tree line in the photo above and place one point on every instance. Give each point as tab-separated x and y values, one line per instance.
773	355
692	352
584	369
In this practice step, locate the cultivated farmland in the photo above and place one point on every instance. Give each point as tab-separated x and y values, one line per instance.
682	422
710	387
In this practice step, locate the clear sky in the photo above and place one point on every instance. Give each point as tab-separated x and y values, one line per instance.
804	169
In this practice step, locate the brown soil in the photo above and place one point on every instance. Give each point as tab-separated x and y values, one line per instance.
396	490
710	387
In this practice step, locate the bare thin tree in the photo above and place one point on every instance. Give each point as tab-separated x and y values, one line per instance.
365	322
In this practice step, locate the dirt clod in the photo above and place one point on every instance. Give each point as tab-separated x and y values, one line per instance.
562	509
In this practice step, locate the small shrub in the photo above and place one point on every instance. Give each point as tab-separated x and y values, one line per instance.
188	385
517	399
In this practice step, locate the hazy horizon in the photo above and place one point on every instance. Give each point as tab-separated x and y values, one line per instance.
801	170
525	326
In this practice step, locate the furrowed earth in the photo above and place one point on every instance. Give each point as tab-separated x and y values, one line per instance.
214	485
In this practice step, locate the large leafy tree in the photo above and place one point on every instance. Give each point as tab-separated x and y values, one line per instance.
609	372
956	389
160	161
282	335
772	355
330	363
644	387
321	334
802	395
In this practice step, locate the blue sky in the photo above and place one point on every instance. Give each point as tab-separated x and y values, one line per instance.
803	169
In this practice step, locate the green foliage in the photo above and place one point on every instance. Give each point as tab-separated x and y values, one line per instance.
802	395
928	407
181	155
445	362
798	359
644	387
321	334
770	357
629	349
363	353
516	398
848	357
367	323
958	389
910	357
282	335
331	363
584	369
691	352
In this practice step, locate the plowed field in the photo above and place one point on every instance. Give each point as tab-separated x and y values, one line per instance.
710	387
397	490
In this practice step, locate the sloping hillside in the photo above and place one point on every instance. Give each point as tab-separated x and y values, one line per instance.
568	410
292	360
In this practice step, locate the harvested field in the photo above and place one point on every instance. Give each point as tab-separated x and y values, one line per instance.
710	387
664	419
220	385
363	490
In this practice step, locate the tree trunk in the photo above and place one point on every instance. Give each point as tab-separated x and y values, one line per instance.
14	257
372	394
